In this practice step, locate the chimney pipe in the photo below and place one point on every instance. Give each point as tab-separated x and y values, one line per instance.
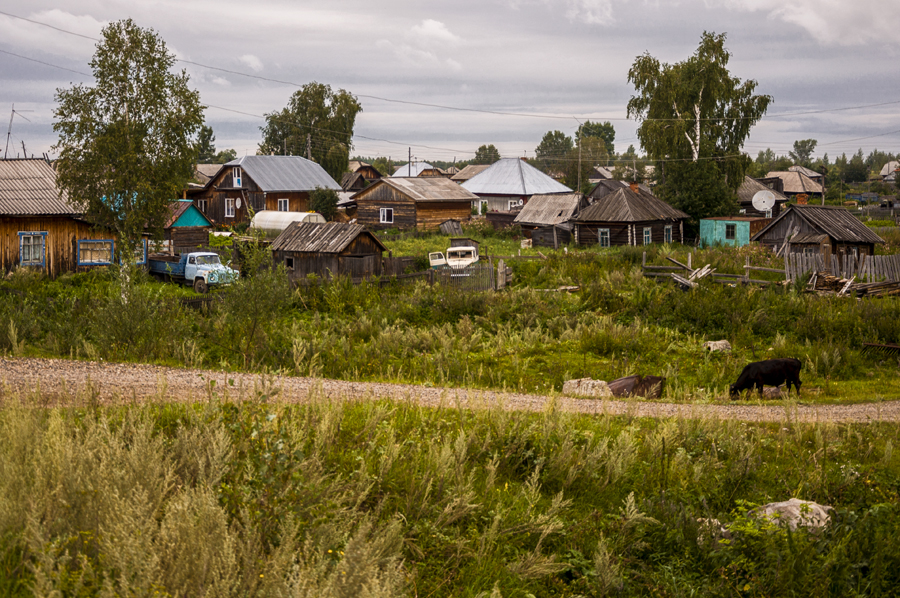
634	187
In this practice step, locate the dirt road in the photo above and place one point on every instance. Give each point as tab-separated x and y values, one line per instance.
50	379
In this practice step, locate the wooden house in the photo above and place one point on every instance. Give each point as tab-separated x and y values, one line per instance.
418	169
797	183
327	250
412	203
628	215
750	187
547	219
40	228
816	177
832	231
186	226
509	183
889	171
256	183
735	231
359	176
468	172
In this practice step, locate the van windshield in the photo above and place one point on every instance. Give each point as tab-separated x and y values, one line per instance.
461	255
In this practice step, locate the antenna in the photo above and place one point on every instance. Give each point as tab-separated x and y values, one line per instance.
9	130
763	201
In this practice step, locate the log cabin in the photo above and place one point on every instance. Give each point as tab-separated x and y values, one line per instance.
328	250
412	203
255	183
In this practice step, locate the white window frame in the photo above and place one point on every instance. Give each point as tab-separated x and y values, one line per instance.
769	213
284	205
236	176
603	235
201	205
668	234
513	204
229	207
93	247
648	235
31	236
386	215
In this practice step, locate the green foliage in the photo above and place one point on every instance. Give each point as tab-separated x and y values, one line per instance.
803	151
138	115
324	201
316	119
553	150
207	150
697	188
604	131
486	154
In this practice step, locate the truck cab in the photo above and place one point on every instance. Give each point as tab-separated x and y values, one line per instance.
457	257
203	270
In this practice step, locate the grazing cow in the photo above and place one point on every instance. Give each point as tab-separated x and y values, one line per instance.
771	372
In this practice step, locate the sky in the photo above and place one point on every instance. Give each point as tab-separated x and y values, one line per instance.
492	71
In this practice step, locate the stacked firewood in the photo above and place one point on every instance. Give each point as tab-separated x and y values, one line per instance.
877	289
823	283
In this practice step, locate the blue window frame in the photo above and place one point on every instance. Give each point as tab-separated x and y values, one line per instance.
603	237
140	253
95	252
648	239
32	248
668	237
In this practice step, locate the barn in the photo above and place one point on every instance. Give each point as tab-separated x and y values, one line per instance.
421	203
547	219
327	250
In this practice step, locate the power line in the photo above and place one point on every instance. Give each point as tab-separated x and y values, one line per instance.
56	66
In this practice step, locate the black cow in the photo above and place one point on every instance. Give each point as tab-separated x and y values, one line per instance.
771	372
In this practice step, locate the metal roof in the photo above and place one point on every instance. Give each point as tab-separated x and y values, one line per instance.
285	173
412	169
751	186
177	209
422	189
512	176
836	222
796	182
890	167
624	205
550	209
331	237
28	188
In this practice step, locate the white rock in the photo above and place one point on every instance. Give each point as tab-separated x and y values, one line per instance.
794	513
722	345
586	387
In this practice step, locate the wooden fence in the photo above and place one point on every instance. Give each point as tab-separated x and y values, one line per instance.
473	278
868	268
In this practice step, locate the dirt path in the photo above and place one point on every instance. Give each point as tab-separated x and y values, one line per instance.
112	383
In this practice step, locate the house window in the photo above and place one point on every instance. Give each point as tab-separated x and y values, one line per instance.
282	205
229	207
668	234
289	263
140	253
603	237
387	215
236	176
201	205
730	232
648	236
769	213
32	248
95	252
514	204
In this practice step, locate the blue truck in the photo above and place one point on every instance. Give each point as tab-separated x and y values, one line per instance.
200	269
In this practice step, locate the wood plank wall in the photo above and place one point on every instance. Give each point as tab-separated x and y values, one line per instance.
63	234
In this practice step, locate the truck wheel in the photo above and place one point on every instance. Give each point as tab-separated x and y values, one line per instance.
200	286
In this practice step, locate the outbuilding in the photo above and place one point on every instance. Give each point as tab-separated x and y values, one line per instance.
328	250
421	203
186	226
730	230
547	219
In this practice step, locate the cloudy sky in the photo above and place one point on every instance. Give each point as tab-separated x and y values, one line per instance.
498	71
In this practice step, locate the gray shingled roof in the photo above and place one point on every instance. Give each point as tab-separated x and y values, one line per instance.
751	187
806	171
28	188
468	172
624	205
552	209
412	169
422	189
836	222
512	176
796	182
285	173
310	237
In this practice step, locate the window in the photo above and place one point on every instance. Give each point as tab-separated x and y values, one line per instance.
236	176
95	252
192	260
229	207
387	215
201	205
769	213
668	234
32	249
648	236
731	232
282	205
515	203
603	236
140	252
289	263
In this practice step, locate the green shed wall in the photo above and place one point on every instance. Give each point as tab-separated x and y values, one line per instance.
712	232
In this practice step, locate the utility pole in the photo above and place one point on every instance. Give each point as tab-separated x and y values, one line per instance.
409	163
308	146
579	166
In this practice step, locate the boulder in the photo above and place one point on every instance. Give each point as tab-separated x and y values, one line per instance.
587	387
794	513
714	346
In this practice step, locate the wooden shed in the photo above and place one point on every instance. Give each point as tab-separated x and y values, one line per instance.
629	215
256	183
547	218
186	225
39	228
422	203
830	230
328	250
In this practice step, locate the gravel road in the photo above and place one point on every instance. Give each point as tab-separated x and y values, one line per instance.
49	380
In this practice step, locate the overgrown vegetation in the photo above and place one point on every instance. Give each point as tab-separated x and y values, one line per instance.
257	498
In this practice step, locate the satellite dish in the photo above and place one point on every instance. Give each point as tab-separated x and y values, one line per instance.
237	202
763	201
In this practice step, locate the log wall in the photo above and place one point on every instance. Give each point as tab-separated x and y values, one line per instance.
61	244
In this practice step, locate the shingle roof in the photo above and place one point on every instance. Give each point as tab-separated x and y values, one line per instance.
468	172
28	188
423	189
552	209
807	171
512	176
751	187
836	222
331	237
412	169
285	173
624	205
796	182
204	172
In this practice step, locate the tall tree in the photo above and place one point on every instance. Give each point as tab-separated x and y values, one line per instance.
486	154
317	123
803	151
695	111
206	149
324	201
553	151
127	145
604	131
